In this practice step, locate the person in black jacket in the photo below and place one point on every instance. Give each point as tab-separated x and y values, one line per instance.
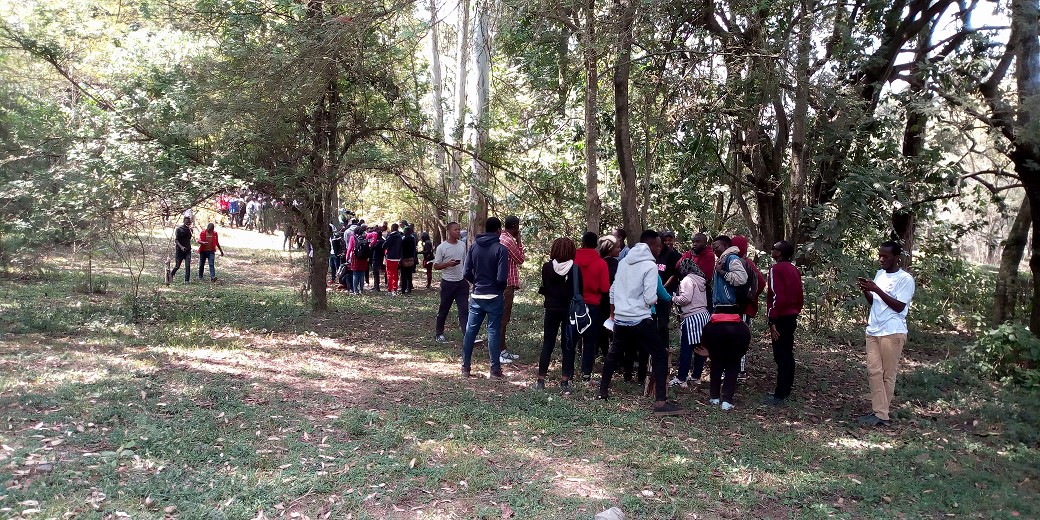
376	263
609	247
392	252
558	288
409	255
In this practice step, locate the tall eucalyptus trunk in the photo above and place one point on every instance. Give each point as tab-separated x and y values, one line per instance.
478	204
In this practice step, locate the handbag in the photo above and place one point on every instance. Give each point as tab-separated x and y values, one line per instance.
578	312
408	262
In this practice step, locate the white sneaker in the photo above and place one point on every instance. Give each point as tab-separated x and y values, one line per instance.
714	401
441	339
676	382
509	355
504	360
728	406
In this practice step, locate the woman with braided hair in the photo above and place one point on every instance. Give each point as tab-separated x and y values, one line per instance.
692	300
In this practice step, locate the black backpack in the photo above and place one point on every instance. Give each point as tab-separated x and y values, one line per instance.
745	292
361	247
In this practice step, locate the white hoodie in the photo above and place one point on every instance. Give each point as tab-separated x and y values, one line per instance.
634	289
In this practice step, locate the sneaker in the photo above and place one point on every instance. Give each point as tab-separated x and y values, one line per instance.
873	420
602	397
504	360
728	406
677	383
496	375
772	400
587	378
742	376
440	338
669	408
465	373
565	387
509	355
478	341
539	385
714	401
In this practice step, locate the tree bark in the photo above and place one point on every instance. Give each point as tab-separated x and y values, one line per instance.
438	119
461	79
478	204
594	206
622	122
1005	298
799	121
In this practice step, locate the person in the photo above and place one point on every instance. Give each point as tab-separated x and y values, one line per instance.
182	252
448	259
608	248
487	270
726	336
392	254
595	278
666	262
409	257
337	243
511	241
558	288
631	296
358	253
889	295
691	297
750	309
784	300
621	235
703	256
375	242
209	244
234	206
290	236
427	257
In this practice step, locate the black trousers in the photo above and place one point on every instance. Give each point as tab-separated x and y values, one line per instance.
783	354
590	341
555	324
645	335
726	342
452	292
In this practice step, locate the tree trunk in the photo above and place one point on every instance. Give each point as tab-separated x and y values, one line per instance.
594	206
799	120
622	122
1006	295
461	79
1026	152
478	204
438	120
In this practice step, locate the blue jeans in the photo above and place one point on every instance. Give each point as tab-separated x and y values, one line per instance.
333	265
479	308
203	257
357	281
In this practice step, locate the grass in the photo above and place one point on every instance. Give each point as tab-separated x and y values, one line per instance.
234	402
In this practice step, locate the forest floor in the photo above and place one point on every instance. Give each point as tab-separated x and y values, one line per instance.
231	400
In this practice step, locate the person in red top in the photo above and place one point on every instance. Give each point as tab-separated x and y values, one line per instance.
741	243
595	282
510	238
208	247
784	300
703	256
358	264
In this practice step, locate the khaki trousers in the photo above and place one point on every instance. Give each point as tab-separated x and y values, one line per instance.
883	353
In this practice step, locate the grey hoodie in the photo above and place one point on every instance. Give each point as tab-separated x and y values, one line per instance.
634	289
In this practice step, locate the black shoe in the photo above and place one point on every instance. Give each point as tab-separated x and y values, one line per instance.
873	420
539	385
773	400
669	408
587	378
602	397
565	387
496	375
466	373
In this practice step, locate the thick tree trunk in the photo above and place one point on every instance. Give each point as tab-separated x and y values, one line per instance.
1006	295
461	79
799	121
594	206
622	122
438	119
478	204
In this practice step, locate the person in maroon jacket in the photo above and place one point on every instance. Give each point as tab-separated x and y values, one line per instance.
741	242
784	300
595	278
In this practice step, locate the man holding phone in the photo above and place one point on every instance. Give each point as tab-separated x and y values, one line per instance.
448	259
889	295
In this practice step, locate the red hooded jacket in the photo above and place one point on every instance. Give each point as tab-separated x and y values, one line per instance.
742	244
594	275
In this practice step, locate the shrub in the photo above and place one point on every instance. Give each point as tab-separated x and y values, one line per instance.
1010	354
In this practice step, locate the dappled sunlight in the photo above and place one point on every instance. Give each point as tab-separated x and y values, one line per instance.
859	446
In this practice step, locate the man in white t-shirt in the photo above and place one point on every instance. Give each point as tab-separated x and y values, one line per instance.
448	259
889	296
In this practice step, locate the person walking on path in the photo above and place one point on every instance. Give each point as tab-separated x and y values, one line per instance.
632	295
889	295
454	289
693	306
182	251
558	288
595	282
209	244
487	269
784	300
392	254
511	241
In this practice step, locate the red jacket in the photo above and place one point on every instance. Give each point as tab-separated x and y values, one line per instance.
208	241
594	275
785	296
705	260
752	307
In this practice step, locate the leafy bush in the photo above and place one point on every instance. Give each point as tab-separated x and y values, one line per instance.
1010	354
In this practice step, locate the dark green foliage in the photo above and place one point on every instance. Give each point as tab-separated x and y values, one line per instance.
1009	354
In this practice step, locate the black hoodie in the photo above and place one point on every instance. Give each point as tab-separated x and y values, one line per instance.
487	265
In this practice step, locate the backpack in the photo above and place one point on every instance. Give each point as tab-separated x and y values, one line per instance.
746	292
361	248
578	312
